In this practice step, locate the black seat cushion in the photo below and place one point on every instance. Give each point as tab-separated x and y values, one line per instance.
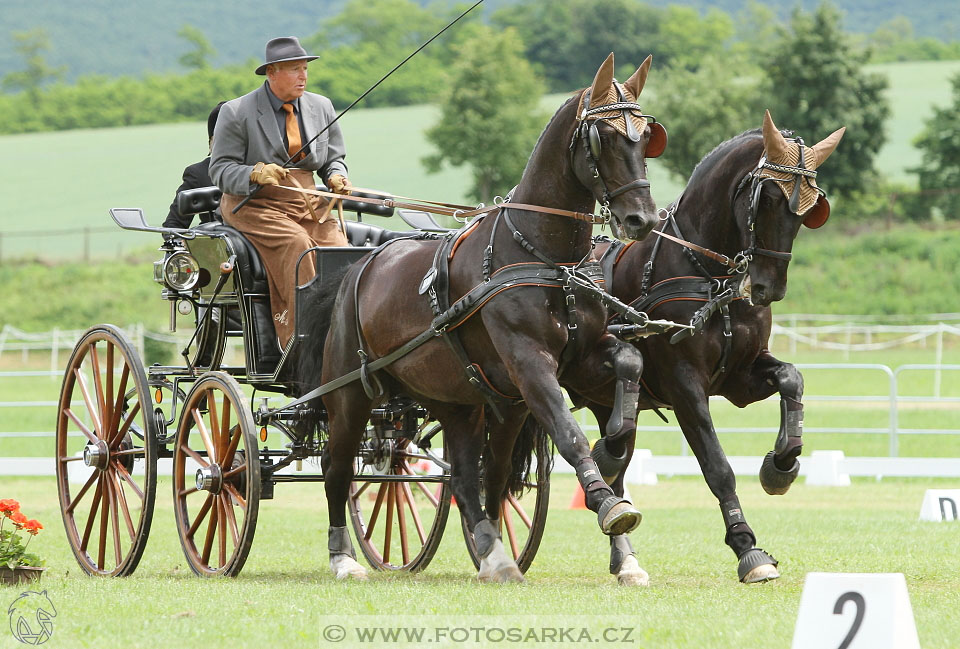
253	274
365	234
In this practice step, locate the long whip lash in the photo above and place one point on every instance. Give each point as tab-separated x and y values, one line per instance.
358	99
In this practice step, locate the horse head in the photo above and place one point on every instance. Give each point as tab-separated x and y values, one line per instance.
611	140
782	195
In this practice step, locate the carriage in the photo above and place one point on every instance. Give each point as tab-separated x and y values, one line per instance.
214	427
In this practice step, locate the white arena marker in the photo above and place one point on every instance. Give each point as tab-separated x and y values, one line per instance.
940	505
855	611
825	469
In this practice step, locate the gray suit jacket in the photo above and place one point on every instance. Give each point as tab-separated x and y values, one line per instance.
247	133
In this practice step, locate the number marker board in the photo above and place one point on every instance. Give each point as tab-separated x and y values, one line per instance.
940	505
855	611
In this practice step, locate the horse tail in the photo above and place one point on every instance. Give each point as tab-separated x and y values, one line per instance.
532	442
317	301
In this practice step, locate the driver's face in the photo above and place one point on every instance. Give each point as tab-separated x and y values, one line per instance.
288	80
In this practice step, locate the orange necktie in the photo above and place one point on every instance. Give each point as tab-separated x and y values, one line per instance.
293	132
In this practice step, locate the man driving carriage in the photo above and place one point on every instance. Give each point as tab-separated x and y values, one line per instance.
255	136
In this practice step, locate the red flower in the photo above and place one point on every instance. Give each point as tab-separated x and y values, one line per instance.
8	506
18	519
33	526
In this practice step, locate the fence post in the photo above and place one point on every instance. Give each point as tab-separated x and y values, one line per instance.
937	373
86	243
54	348
894	419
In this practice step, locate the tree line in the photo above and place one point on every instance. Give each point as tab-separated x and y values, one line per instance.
715	73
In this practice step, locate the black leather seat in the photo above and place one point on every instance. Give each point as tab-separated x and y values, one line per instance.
365	234
253	274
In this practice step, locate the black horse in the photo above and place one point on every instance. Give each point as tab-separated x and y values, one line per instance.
720	260
507	313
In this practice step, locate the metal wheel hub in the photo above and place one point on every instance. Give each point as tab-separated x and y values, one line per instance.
97	455
210	478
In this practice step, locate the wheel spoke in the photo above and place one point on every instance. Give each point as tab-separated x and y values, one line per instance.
232	519
83	427
225	426
199	459
215	432
114	517
236	496
232	448
507	519
108	394
235	471
76	501
426	492
98	386
188	491
356	495
137	450
204	508
93	512
122	471
521	512
118	405
86	399
118	487
211	532
381	492
400	498
104	520
408	495
119	435
388	531
204	435
222	528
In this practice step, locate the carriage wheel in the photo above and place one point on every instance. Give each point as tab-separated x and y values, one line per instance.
398	503
216	477
522	519
106	453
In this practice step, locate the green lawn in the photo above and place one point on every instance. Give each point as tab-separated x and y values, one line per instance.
71	178
286	595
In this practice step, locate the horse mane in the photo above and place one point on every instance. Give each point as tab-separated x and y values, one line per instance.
546	127
314	321
717	152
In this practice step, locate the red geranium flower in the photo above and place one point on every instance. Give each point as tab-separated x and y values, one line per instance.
33	526
18	519
8	506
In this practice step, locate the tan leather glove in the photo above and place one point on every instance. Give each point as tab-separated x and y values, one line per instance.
340	184
268	174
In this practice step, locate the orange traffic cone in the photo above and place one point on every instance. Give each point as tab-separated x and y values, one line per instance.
578	501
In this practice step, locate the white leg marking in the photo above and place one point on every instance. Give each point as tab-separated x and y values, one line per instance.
631	574
498	568
344	566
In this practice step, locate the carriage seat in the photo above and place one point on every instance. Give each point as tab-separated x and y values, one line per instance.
253	274
365	234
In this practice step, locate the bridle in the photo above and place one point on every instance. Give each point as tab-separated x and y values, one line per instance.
587	133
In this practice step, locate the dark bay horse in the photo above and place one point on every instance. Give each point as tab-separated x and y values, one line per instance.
534	333
732	231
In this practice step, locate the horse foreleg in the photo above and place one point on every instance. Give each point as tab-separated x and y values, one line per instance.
541	391
697	425
349	410
768	374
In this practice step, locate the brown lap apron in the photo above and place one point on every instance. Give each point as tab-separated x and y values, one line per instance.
280	226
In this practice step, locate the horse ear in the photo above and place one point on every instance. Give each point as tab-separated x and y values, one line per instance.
602	83
825	147
818	214
773	140
635	83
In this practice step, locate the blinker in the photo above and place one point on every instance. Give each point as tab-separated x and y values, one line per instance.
658	140
818	214
594	139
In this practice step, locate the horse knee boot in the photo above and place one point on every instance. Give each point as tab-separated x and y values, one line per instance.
338	542
780	466
610	451
485	535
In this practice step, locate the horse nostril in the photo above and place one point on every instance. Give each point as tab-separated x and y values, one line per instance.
639	225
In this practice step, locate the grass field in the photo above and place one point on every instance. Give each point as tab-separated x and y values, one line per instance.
70	179
286	595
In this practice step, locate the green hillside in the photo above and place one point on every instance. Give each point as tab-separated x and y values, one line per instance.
71	178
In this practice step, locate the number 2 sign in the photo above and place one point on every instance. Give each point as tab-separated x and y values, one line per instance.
855	611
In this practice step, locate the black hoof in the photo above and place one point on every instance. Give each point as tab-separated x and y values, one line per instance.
618	516
755	558
774	481
609	466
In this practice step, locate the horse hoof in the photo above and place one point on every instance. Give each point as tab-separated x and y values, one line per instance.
631	574
757	566
346	567
774	481
506	574
618	516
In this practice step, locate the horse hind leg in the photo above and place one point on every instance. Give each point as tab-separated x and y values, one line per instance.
624	564
754	565
780	466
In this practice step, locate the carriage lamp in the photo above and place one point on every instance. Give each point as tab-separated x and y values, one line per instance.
181	271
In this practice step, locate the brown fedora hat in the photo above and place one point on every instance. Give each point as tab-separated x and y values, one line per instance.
285	48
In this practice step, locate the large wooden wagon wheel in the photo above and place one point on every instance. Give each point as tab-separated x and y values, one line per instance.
216	477
398	503
522	519
106	453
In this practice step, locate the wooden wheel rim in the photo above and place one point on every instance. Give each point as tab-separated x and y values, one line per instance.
216	523
105	404
399	524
